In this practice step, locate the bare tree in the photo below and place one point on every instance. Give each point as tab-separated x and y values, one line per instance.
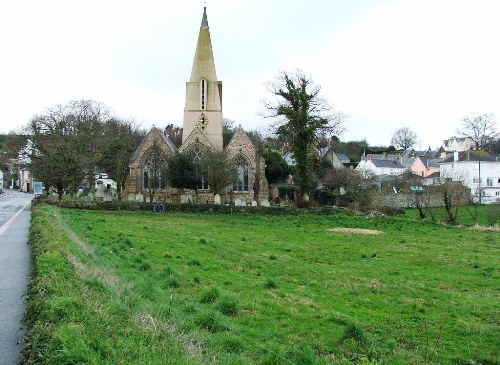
404	138
218	170
481	129
120	139
64	144
302	117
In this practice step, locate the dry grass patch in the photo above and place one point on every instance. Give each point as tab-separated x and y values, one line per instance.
354	231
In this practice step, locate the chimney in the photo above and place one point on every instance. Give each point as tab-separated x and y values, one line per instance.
455	156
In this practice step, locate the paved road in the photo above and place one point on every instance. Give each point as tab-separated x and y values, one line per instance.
15	268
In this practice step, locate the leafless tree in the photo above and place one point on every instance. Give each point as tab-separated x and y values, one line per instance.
64	144
218	170
481	129
404	138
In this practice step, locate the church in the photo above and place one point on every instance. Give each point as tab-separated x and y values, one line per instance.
202	132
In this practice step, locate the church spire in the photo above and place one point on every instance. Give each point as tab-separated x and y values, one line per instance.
203	108
204	20
203	65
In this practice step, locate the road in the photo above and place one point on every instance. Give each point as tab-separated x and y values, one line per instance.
15	268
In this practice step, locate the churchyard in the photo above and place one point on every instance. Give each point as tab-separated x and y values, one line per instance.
118	287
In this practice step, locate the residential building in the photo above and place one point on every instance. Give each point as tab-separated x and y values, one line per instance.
477	170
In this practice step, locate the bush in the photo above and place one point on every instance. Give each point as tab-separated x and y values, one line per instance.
493	214
209	296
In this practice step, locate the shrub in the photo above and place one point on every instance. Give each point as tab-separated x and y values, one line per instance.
273	257
493	214
209	296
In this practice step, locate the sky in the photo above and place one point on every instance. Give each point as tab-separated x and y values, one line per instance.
386	64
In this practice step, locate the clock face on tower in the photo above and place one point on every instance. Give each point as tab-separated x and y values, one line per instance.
202	120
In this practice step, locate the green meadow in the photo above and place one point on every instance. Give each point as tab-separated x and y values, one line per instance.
118	287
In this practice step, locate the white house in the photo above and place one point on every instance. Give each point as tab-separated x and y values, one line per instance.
380	167
480	172
457	144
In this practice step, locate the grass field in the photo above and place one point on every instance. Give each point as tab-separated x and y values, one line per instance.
179	288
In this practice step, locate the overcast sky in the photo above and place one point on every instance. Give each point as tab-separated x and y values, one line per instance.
385	63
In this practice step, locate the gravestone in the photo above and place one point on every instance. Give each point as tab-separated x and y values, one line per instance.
139	198
217	199
265	203
254	203
237	202
282	204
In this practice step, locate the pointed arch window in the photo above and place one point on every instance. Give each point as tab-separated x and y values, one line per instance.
154	174
242	169
197	154
203	94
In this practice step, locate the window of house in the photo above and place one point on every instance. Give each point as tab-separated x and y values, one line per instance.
242	169
476	180
489	181
497	193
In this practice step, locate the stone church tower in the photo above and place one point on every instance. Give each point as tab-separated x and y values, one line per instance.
203	108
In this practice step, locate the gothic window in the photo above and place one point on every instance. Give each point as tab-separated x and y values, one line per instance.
203	94
154	175
242	169
197	153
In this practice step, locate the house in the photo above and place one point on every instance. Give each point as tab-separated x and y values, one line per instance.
202	132
328	154
459	144
425	166
380	167
478	171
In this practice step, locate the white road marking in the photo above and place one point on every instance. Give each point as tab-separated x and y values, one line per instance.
11	219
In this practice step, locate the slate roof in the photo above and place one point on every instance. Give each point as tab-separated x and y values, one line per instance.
387	163
169	143
431	162
343	158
